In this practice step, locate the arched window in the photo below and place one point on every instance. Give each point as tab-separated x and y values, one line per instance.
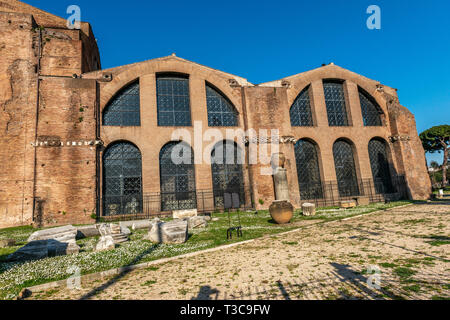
221	112
345	169
308	170
226	163
122	179
174	106
124	109
380	166
371	111
301	115
176	163
335	101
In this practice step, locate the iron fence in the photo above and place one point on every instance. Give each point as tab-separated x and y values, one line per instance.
322	194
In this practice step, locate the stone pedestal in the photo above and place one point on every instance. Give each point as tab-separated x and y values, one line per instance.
309	209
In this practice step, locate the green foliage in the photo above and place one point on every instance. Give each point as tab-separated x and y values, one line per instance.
433	139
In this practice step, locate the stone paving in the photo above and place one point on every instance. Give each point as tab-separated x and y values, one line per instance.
398	254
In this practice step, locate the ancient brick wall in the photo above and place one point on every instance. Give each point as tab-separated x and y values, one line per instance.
18	87
66	154
39	54
51	99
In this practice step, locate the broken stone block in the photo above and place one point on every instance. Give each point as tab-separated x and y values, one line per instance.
41	249
196	222
348	204
182	214
105	243
7	243
61	234
174	232
87	232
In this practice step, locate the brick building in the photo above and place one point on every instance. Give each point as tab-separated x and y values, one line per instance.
79	142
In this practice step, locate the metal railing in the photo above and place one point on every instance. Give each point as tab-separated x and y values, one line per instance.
322	194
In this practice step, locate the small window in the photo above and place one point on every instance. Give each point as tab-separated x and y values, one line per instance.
335	101
124	109
221	112
174	106
301	115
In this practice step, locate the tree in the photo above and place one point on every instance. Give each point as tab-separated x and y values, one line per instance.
435	166
437	139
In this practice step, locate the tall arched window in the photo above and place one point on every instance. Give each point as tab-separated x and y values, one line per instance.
335	101
380	166
308	170
226	164
301	115
371	111
174	106
124	109
122	179
177	172
221	112
345	169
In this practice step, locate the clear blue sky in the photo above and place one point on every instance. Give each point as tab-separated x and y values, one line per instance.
268	40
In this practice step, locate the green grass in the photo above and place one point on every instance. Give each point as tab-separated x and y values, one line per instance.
16	276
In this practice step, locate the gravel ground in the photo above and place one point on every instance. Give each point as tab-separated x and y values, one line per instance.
398	254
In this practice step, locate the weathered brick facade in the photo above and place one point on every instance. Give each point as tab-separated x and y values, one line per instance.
52	94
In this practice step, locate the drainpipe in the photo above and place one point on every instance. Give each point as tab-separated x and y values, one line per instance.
247	149
36	124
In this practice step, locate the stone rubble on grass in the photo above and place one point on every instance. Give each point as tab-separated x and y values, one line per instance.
7	243
41	249
48	243
182	214
196	222
174	232
61	234
111	234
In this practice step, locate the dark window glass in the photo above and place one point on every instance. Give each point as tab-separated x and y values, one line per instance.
308	171
176	161
226	163
221	113
345	169
174	106
335	101
380	166
370	110
301	115
124	109
122	179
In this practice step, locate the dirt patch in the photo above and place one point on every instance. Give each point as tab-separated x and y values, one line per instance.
407	249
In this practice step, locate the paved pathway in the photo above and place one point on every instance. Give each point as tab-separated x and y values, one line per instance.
408	246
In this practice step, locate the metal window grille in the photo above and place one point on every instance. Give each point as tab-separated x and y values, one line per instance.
335	101
308	170
124	109
226	163
177	172
301	115
174	109
370	111
345	169
380	167
122	179
221	113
